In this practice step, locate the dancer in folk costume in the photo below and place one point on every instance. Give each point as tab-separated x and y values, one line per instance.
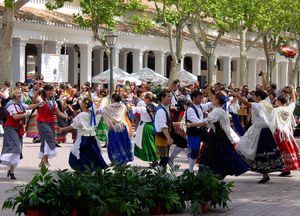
119	146
145	148
218	153
195	135
177	115
85	153
31	127
102	129
258	145
45	123
283	124
162	125
14	131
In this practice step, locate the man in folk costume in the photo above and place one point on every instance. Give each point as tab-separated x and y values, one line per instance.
162	125
195	135
258	145
176	115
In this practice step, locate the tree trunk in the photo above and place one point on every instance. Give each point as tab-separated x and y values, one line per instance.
174	72
6	45
243	57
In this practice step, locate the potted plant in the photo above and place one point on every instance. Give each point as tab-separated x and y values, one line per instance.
164	196
34	198
73	193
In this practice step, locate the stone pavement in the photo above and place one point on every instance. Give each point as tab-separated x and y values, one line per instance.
279	197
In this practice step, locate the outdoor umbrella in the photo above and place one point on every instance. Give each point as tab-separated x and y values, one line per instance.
148	75
120	77
186	77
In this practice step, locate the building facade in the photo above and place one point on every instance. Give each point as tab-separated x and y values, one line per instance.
33	36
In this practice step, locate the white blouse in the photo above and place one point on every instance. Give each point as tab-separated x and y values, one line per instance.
82	124
142	110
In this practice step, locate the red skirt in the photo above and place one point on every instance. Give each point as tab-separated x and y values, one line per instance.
289	150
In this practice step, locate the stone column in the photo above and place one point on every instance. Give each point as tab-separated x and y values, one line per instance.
85	63
101	60
18	60
213	60
52	47
160	62
238	71
227	70
73	66
145	59
125	55
252	73
284	72
96	62
182	63
196	59
275	75
137	60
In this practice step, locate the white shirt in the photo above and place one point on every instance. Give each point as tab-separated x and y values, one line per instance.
82	124
15	108
160	121
191	115
174	100
6	93
142	110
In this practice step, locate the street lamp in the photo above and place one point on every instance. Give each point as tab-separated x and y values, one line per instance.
111	40
271	59
209	50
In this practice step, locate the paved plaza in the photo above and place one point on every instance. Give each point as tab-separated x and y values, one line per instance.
279	197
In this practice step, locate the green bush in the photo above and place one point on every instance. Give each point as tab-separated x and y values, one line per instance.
121	190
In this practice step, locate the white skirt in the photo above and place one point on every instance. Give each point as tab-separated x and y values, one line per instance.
10	159
47	152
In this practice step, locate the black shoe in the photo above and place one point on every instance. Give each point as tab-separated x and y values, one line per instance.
11	175
264	180
154	164
104	146
284	174
57	145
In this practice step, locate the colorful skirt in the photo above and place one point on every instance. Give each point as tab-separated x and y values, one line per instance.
102	131
268	158
31	130
90	157
145	148
60	137
289	150
220	157
119	146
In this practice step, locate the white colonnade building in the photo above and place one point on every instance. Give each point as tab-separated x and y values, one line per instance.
38	31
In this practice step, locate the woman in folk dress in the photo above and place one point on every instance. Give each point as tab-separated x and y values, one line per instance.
258	145
283	124
86	152
218	153
45	123
119	146
14	131
145	148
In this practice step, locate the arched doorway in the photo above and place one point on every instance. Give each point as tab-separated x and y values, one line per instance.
188	64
